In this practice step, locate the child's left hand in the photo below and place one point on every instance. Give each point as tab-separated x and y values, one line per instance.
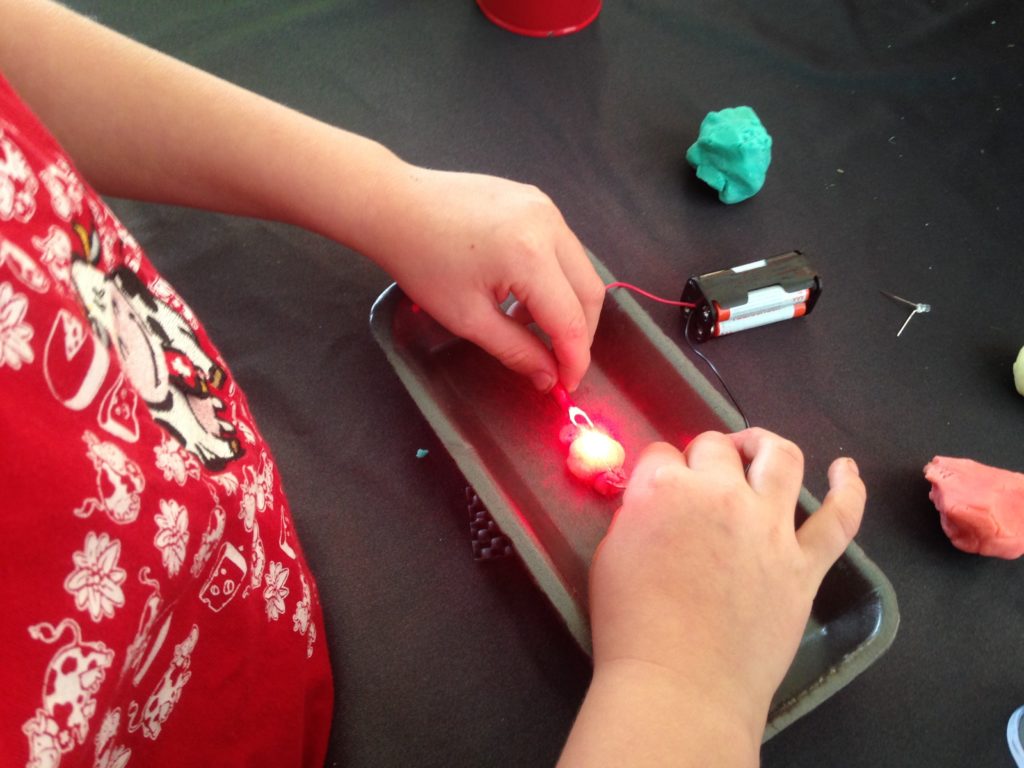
459	244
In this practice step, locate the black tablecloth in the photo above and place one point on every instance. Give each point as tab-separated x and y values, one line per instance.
897	165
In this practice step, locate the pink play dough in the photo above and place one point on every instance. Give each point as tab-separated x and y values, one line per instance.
981	507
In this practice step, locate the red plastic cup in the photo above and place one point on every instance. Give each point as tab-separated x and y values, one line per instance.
541	18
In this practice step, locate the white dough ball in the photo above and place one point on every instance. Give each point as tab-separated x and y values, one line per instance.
1018	372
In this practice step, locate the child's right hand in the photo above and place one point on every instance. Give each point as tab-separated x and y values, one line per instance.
703	577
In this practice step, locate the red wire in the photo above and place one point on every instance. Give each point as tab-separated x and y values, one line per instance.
651	296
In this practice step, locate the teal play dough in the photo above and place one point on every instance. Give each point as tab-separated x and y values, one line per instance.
732	153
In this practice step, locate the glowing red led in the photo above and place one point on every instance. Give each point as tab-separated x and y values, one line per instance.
595	457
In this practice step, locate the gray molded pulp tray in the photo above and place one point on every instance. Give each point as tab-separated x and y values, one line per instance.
504	436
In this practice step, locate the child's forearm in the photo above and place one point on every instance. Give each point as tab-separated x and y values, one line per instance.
143	125
646	717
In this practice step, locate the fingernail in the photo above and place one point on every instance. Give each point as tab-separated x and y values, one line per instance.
852	466
543	381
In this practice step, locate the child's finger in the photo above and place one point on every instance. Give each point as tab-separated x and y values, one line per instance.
826	533
658	464
713	452
518	312
585	281
513	345
554	306
776	465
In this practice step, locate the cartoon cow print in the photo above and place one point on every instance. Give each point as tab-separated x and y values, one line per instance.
165	695
119	482
73	677
160	353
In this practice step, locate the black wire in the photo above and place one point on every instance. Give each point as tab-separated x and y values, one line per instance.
702	356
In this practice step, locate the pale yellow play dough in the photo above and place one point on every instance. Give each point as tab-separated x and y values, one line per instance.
1018	372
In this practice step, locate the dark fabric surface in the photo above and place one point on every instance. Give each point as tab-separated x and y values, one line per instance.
897	165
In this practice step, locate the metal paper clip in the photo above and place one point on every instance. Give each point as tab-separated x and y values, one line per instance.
915	308
575	414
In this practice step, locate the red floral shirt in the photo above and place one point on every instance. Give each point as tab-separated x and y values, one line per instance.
155	606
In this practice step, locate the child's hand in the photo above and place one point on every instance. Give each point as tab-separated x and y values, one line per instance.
460	243
702	577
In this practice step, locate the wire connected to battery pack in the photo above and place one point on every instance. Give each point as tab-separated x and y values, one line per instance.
651	296
689	340
702	356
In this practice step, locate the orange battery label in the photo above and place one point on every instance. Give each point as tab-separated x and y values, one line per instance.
763	300
764	317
